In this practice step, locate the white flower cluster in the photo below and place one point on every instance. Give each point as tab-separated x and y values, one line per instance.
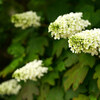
86	41
67	25
9	87
26	19
30	71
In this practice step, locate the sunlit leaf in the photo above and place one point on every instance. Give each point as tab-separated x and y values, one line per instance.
97	75
81	97
75	76
11	67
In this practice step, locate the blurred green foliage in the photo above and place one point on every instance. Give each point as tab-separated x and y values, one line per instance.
70	76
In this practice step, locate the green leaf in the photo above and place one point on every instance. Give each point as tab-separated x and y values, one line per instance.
22	35
44	89
60	67
50	78
28	91
97	75
48	61
55	94
1	1
90	14
11	67
16	50
87	59
81	97
75	76
67	59
93	89
91	97
87	9
71	94
71	59
58	47
36	46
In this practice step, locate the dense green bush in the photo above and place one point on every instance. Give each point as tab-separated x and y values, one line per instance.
70	76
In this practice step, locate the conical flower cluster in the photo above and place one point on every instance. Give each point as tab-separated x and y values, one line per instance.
86	41
9	87
67	25
31	71
26	19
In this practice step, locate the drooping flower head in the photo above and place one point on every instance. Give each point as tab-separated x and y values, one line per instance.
67	25
9	87
26	19
31	71
86	41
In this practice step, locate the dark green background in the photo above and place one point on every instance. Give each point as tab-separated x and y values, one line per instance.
17	47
